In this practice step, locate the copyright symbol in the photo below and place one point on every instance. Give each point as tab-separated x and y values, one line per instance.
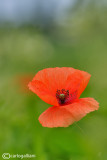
6	155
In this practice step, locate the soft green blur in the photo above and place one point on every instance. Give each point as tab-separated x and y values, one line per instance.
80	43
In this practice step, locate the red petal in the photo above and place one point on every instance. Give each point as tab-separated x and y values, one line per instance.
42	91
63	116
54	78
56	117
80	108
77	81
47	81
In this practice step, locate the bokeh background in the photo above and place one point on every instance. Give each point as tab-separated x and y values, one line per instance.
38	34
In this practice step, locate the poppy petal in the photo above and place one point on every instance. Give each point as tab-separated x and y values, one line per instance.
54	78
77	82
50	80
56	116
81	107
63	116
42	91
47	81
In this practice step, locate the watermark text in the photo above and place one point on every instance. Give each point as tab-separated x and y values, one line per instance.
18	156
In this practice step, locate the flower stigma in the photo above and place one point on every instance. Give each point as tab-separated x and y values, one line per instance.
62	96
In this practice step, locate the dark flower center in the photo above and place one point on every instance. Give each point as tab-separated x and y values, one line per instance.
62	96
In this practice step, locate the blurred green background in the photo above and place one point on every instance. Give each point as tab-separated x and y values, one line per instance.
80	41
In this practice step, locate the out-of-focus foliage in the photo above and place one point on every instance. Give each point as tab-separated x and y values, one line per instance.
79	42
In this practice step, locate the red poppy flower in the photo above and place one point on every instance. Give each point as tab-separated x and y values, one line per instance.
62	87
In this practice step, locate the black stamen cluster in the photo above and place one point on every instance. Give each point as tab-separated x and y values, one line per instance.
62	95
